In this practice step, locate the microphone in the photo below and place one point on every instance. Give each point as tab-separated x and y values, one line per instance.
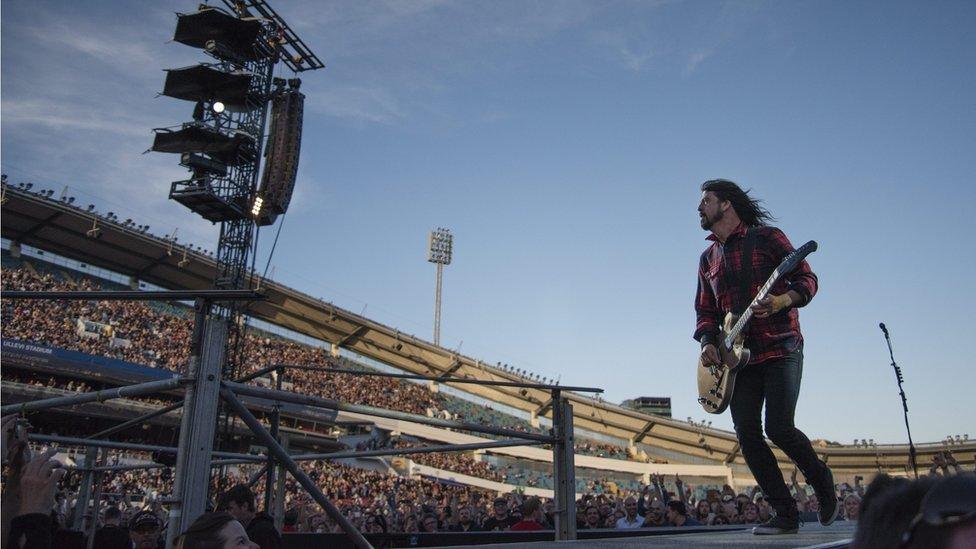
883	329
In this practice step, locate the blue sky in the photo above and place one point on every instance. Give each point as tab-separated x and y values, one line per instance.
563	143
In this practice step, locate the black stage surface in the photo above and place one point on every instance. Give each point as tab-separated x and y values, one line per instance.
811	535
836	535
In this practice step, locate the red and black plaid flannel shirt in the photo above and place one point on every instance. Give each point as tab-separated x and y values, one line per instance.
774	336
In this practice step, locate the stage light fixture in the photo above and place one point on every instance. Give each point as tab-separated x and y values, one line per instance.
218	107
256	208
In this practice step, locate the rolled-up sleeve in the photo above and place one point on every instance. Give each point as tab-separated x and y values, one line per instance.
802	280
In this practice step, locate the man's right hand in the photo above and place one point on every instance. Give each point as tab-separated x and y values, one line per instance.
710	356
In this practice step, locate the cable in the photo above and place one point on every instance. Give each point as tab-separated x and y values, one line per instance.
273	246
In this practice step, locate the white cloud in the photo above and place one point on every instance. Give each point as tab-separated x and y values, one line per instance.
357	103
696	59
25	114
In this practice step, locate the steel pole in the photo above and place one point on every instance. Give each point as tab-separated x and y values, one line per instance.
172	407
249	458
256	477
96	396
275	424
279	498
308	400
437	306
96	508
564	468
191	480
84	491
137	420
420	450
265	438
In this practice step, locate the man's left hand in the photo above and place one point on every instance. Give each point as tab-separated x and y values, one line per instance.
771	305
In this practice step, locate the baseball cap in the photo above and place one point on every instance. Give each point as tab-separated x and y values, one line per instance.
144	519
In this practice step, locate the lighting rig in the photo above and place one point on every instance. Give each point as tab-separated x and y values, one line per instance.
222	145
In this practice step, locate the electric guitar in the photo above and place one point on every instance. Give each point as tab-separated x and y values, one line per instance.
716	382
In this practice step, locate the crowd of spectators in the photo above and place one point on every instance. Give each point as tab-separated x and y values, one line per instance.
459	462
375	501
150	336
384	501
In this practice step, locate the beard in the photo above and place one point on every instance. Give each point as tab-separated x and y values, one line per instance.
708	222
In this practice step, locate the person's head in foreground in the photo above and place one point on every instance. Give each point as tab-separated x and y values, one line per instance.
215	531
930	513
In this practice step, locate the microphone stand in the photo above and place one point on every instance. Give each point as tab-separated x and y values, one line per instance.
904	401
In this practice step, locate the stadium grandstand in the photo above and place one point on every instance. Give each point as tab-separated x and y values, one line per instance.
622	453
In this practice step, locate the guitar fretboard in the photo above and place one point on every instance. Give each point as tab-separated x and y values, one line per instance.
787	265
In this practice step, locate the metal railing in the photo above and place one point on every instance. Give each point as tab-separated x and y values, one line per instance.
203	388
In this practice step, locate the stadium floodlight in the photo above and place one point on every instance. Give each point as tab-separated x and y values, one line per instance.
218	107
256	208
440	244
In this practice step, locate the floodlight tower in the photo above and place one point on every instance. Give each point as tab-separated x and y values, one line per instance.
440	244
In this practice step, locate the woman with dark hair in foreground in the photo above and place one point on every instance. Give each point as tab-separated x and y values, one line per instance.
215	531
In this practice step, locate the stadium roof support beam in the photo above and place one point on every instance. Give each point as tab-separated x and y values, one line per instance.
543	408
59	246
731	455
455	364
151	264
645	431
37	227
354	334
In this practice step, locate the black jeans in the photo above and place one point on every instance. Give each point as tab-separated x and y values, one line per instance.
777	382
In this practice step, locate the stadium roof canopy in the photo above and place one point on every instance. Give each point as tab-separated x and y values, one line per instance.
35	220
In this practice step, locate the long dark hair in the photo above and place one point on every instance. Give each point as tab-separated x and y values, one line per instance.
748	208
204	533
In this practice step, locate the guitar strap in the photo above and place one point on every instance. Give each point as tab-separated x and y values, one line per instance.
745	274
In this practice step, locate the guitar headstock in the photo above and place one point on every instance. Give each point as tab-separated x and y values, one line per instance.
796	256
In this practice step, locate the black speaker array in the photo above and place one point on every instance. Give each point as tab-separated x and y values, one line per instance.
283	150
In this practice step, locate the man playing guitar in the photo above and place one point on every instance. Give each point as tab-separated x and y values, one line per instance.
727	280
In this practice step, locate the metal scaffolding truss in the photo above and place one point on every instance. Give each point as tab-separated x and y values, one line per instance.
204	387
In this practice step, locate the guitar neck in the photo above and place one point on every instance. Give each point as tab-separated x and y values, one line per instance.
787	265
747	315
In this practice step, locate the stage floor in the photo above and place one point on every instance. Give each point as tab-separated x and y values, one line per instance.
810	535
